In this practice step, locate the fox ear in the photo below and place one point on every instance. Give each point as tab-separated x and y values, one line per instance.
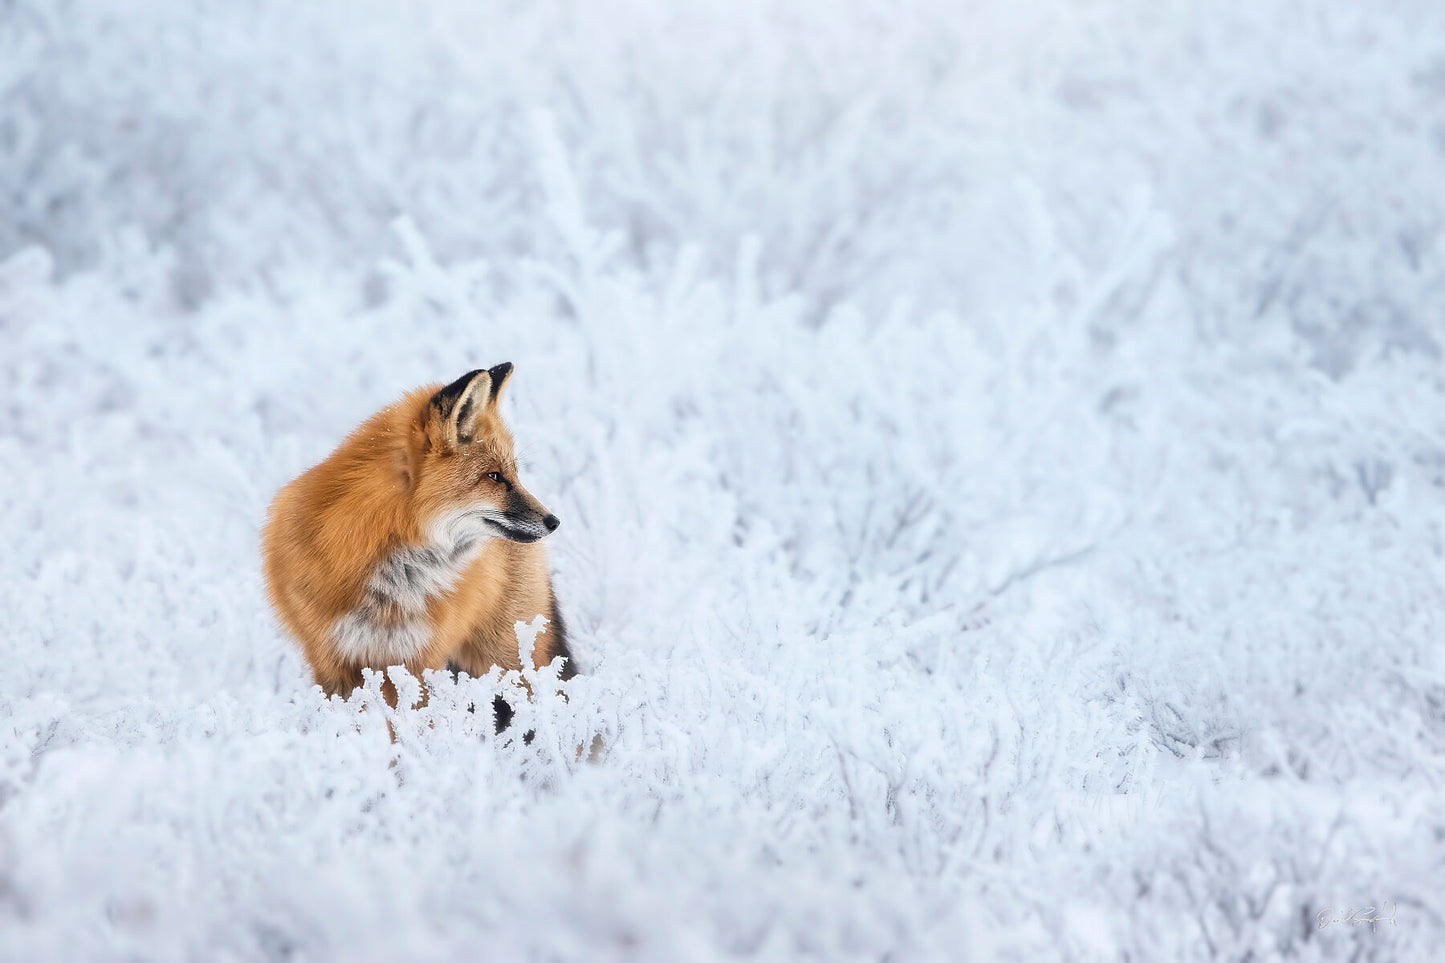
458	405
499	375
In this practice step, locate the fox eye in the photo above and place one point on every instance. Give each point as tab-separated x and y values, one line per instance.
496	476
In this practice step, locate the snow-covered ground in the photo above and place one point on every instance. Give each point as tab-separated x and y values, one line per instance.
1000	450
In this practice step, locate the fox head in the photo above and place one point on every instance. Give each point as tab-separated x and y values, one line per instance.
462	470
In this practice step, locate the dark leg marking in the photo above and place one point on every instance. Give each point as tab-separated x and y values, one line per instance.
558	631
502	712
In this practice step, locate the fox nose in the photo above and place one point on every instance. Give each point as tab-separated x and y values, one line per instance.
551	521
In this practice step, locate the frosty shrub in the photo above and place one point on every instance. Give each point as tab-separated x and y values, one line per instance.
1000	451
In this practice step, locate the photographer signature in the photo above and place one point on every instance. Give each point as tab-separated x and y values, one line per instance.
1357	916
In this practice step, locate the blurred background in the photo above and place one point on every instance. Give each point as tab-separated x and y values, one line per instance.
1000	451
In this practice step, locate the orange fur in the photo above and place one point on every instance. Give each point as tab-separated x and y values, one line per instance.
399	548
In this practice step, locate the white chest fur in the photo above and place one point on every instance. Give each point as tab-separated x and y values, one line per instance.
391	624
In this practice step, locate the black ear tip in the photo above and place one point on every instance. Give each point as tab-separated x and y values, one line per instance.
499	378
447	397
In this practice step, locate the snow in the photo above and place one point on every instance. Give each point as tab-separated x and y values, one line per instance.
1000	452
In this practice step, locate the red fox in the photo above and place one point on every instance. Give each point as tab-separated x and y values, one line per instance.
415	544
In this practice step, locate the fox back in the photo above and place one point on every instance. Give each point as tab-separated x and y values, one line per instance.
415	543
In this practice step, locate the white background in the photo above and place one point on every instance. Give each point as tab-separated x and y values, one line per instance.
1000	451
